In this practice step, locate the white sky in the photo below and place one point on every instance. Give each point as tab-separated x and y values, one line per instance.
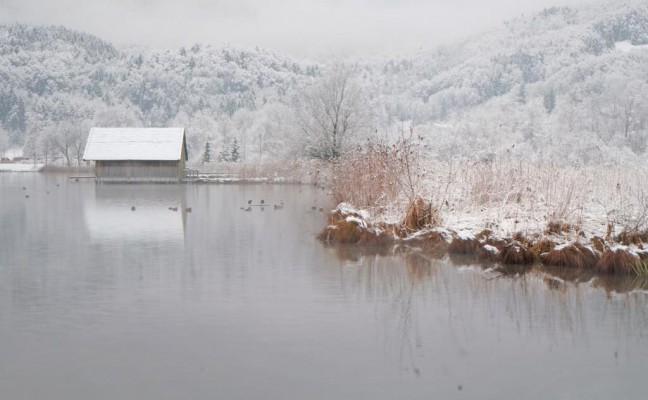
297	27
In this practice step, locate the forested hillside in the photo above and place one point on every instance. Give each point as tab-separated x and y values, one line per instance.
565	83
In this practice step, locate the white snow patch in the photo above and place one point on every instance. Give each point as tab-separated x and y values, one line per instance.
561	247
20	167
440	125
627	46
466	235
361	223
630	250
346	209
491	249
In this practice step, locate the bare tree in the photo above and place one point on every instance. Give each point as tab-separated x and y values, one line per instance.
4	141
69	139
330	113
44	145
79	136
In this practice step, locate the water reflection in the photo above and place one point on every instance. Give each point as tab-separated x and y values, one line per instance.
151	213
533	302
223	303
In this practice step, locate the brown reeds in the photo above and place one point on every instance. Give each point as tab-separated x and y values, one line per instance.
490	249
574	255
558	228
366	177
344	226
542	246
516	253
632	237
598	243
342	232
348	226
421	214
617	261
464	246
433	242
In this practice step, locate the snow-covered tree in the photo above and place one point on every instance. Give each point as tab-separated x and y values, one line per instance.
207	156
4	142
225	154
235	155
331	113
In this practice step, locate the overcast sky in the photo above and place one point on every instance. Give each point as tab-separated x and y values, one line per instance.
297	27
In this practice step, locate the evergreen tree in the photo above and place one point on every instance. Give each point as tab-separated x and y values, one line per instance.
207	156
224	155
235	153
549	101
522	94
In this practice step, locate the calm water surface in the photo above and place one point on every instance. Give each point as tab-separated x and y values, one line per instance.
101	302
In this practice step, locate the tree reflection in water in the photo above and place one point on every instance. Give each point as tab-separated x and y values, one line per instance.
417	295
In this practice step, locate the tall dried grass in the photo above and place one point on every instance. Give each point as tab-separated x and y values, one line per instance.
366	177
420	215
293	170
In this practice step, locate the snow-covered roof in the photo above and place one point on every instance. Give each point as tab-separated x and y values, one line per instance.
148	144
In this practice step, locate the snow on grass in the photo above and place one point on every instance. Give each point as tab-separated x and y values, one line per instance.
627	46
360	222
10	167
465	235
348	209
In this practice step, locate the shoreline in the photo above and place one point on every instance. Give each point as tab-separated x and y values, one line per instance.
557	246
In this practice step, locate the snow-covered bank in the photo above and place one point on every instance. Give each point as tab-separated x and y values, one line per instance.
14	167
557	245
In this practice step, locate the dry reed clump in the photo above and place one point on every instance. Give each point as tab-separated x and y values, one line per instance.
558	228
421	215
598	243
517	253
433	242
618	261
341	232
574	255
344	226
464	246
632	237
489	249
381	234
484	235
542	246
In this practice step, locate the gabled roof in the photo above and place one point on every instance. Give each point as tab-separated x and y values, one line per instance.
147	144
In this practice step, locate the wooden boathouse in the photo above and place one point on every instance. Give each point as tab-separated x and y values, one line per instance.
137	154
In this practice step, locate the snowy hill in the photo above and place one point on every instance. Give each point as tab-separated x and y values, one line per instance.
570	83
566	83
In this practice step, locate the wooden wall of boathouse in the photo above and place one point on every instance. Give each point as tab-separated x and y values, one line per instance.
139	171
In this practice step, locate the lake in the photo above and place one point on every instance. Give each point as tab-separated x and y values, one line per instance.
100	301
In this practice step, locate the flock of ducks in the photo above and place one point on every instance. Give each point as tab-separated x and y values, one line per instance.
27	196
261	204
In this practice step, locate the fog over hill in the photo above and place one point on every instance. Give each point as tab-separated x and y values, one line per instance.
568	84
